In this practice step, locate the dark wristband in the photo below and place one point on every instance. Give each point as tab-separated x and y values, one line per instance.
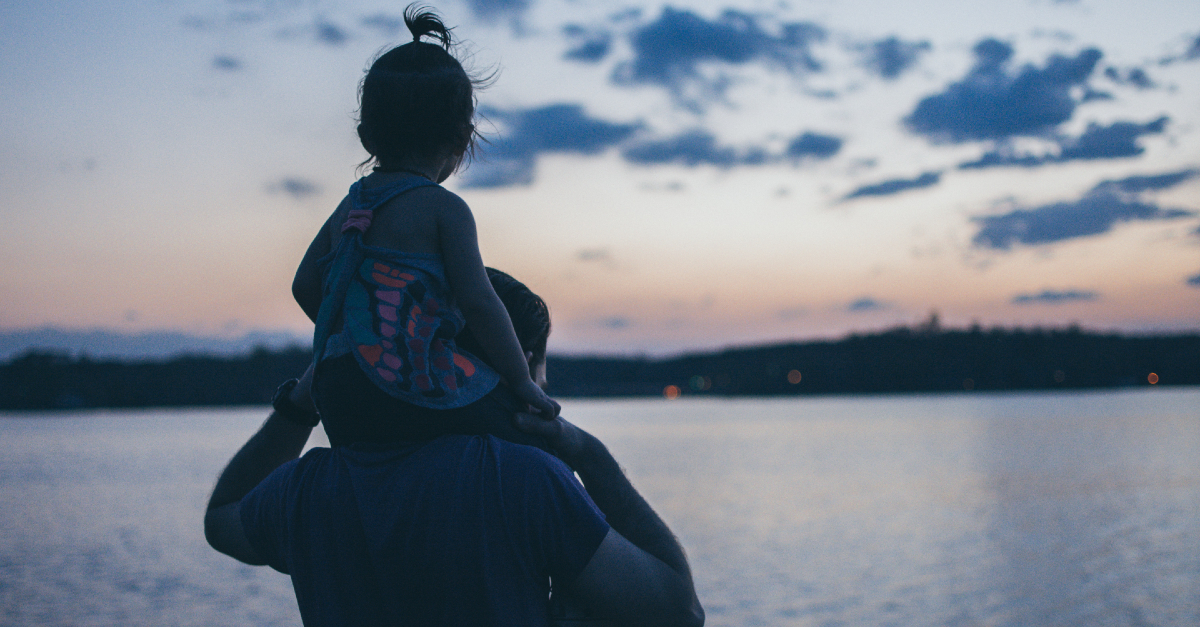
288	410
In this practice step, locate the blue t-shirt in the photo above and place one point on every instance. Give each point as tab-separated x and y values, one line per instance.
463	530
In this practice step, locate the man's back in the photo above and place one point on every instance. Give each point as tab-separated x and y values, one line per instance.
463	530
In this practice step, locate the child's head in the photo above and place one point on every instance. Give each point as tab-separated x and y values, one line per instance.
416	103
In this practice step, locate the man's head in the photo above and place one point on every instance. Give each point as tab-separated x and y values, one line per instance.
530	318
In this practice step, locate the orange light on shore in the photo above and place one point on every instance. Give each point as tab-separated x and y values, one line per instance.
1153	379
671	392
794	377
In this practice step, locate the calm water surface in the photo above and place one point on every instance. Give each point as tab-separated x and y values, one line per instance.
1000	510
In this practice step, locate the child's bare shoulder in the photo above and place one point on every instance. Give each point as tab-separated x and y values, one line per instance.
440	201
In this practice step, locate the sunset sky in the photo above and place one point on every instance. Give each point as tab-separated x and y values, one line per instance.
668	176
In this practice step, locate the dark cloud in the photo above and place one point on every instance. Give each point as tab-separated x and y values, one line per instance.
510	158
587	45
1091	95
991	103
1098	211
1054	297
1139	184
226	63
387	24
1133	76
896	186
866	303
1194	281
1117	140
691	148
497	8
330	33
890	57
295	187
669	50
699	147
813	145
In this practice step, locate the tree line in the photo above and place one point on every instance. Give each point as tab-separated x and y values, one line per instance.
901	360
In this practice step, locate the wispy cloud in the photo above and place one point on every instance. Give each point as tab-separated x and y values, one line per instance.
895	186
588	45
992	103
814	145
295	187
1130	76
329	33
692	148
616	323
1054	297
1098	211
670	51
1191	54
487	9
1115	141
866	303
563	128
700	147
890	57
593	255
226	63
387	24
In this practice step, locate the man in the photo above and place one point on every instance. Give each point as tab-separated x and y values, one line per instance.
460	530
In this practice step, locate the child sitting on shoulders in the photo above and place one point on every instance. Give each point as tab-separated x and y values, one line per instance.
395	273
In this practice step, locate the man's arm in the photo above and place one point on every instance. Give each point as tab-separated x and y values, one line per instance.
279	440
639	575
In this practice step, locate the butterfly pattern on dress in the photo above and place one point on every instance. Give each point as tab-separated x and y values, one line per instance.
403	335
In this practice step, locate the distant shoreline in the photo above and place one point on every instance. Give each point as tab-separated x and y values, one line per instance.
898	361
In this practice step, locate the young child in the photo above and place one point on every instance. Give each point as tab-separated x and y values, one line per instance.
395	273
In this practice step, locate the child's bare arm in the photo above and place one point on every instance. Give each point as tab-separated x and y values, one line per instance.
306	287
481	306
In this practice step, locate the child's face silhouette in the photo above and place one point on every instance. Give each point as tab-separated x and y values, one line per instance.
448	167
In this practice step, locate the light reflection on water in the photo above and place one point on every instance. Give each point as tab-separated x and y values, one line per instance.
1014	510
1023	509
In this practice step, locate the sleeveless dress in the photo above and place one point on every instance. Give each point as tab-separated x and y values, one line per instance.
398	324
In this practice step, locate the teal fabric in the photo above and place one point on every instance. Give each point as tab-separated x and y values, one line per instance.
396	316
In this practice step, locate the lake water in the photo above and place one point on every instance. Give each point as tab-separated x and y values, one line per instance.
1002	510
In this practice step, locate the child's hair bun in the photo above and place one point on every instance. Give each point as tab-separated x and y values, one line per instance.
423	22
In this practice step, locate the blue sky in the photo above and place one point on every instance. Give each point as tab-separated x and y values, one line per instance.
669	176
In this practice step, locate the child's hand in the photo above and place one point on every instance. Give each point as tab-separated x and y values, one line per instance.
545	406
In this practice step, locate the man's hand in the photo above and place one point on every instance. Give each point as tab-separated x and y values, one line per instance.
563	437
533	394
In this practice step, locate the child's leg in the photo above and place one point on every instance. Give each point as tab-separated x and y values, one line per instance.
353	410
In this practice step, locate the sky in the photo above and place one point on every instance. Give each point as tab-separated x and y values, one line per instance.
669	177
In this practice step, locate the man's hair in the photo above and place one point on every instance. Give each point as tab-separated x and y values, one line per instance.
529	313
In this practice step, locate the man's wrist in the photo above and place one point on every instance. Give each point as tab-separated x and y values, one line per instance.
287	409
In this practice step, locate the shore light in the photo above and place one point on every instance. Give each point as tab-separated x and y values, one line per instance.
671	392
1153	379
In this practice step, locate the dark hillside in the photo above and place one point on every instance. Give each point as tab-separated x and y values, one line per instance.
896	361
